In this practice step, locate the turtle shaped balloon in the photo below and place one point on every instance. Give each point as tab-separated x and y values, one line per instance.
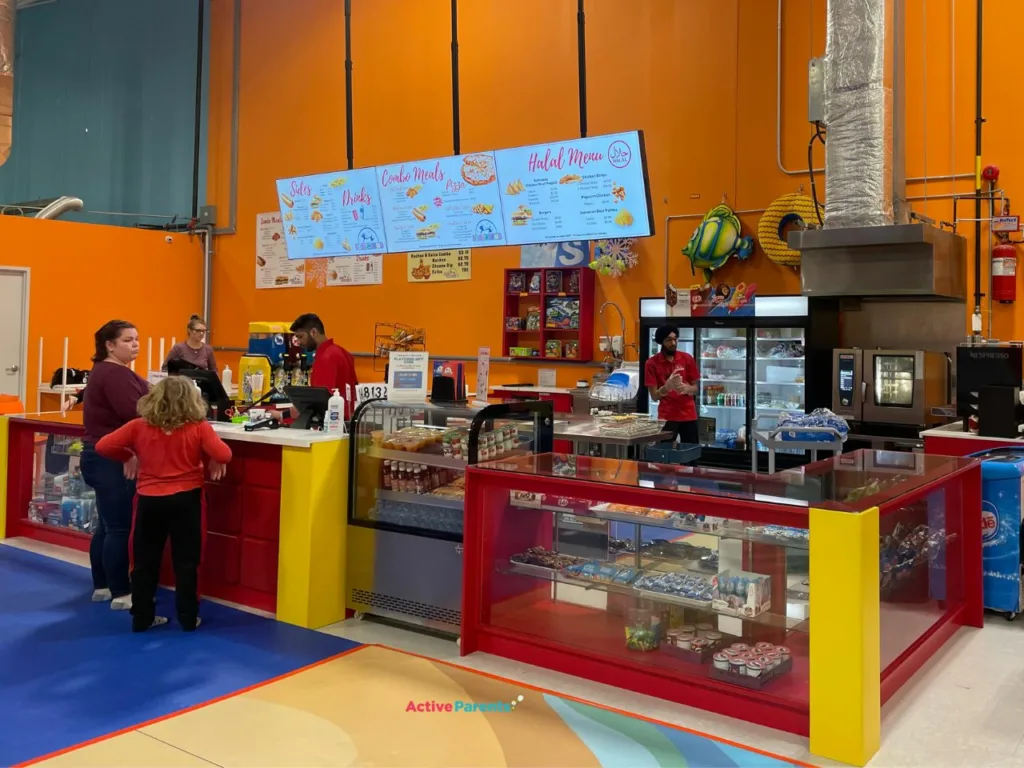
717	237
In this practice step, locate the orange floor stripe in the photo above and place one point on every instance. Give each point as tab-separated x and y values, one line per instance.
616	710
193	708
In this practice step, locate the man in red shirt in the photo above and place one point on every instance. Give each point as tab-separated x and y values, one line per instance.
671	379
333	366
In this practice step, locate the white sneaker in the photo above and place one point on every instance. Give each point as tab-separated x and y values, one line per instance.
123	603
100	595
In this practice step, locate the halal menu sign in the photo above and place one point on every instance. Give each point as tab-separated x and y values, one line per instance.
583	189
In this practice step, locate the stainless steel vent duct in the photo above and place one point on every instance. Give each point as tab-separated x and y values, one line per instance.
59	207
858	154
7	11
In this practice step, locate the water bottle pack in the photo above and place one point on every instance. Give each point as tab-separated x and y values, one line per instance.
820	417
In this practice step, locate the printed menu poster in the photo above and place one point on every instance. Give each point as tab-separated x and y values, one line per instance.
439	266
356	270
584	189
273	269
449	202
332	214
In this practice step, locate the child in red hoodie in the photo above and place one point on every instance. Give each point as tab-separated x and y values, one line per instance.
170	440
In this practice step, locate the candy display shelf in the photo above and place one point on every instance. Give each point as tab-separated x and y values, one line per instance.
678	582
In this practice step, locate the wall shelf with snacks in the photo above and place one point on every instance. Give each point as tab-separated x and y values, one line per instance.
549	314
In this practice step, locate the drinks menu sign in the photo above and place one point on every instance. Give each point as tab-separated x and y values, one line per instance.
584	189
449	202
587	189
332	214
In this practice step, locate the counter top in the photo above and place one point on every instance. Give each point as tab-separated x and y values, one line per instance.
955	430
527	389
295	438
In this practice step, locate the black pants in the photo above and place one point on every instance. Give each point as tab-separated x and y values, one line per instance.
108	550
179	516
686	431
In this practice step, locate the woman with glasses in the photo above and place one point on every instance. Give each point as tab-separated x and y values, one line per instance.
194	350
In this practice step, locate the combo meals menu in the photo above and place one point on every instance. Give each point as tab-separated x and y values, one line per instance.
584	189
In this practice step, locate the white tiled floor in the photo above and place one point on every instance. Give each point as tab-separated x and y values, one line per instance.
965	709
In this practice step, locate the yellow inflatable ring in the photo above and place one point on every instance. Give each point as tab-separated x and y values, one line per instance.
787	210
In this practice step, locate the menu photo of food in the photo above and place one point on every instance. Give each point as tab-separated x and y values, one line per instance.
448	202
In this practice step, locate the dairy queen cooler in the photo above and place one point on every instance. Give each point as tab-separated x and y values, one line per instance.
406	500
754	365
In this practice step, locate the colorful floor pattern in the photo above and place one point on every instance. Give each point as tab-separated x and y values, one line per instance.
374	706
71	670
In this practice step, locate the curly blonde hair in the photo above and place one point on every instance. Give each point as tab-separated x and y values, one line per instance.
172	403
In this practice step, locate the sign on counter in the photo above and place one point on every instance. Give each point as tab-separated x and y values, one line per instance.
407	377
439	266
376	391
332	214
447	202
483	372
584	189
273	269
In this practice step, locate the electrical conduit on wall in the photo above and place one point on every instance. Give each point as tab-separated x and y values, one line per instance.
7	11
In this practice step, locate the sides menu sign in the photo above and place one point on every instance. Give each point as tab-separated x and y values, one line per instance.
448	202
586	189
332	214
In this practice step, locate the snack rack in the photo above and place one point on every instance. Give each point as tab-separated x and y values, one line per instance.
395	337
407	466
532	298
620	609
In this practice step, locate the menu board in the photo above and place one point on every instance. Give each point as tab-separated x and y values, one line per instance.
332	214
448	202
439	266
273	269
584	189
356	270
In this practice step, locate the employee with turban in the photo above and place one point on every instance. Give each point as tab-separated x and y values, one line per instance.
671	379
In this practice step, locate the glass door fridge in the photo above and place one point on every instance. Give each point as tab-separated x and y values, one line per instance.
724	383
780	377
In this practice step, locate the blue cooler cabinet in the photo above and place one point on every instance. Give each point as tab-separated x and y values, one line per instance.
1002	477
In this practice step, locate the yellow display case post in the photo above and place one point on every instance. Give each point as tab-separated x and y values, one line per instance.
845	655
311	565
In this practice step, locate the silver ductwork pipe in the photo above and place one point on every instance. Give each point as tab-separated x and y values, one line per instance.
858	116
59	207
7	11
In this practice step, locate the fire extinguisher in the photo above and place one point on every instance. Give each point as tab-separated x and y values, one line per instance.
1004	273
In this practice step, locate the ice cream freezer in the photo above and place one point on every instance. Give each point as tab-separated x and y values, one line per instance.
1002	481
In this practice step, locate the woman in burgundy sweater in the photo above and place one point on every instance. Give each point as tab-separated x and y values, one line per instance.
111	397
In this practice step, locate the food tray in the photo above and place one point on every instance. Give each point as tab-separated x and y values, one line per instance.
601	511
532	570
666	597
760	538
690	656
757	683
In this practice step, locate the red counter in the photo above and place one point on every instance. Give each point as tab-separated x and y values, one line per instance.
951	440
243	512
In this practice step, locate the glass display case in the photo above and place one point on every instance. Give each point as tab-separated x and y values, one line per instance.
695	584
406	497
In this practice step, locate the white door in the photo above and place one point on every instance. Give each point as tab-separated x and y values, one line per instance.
14	322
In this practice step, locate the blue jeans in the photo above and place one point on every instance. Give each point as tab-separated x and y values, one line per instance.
115	499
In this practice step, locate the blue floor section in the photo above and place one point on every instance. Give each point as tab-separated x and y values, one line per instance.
71	670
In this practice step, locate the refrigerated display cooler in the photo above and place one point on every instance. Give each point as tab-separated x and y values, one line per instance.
752	369
407	467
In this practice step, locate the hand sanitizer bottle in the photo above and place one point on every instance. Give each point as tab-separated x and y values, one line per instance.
335	422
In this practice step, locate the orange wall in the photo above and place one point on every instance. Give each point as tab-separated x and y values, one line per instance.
697	76
82	275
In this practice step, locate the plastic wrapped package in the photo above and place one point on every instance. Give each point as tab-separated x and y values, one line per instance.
858	115
791	424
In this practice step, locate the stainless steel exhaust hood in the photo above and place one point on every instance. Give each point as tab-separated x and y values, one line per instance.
902	260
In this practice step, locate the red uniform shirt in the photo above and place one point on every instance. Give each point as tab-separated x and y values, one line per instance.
333	368
168	463
673	406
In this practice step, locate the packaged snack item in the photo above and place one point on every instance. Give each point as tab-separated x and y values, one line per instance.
643	629
533	319
553	348
573	283
563	313
553	281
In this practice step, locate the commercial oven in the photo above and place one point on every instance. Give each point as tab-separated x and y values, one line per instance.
889	386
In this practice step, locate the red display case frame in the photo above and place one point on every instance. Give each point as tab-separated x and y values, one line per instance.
961	486
516	304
